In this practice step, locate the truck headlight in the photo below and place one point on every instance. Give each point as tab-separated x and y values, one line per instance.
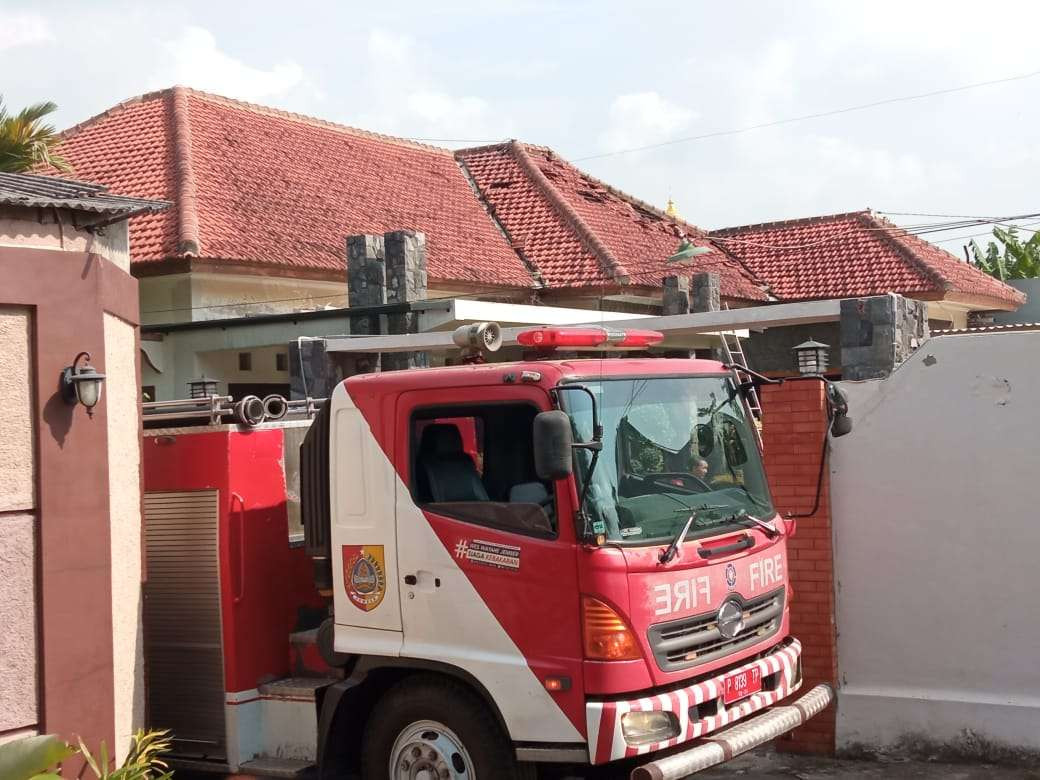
642	728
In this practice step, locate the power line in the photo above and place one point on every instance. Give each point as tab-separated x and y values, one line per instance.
804	117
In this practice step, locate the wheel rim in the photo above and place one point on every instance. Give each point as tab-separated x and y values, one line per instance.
428	750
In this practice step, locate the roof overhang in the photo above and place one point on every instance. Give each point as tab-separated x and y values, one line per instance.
681	331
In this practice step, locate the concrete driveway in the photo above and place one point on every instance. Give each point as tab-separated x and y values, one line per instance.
768	765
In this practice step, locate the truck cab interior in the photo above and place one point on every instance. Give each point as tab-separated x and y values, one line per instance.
476	464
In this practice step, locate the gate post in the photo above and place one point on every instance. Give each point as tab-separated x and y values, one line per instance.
794	424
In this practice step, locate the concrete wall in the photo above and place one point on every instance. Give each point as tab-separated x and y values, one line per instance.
936	540
18	653
45	230
1030	310
70	556
124	489
209	296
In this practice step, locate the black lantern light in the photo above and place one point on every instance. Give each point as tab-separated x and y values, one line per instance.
202	388
82	383
812	358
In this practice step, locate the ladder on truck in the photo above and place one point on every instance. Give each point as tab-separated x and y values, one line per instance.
733	354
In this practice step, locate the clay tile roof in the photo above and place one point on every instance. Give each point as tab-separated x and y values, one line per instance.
256	186
576	231
22	189
856	254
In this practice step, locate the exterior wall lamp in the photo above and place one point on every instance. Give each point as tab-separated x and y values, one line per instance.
82	383
202	387
687	251
812	357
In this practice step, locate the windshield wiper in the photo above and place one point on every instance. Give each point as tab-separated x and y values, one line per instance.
672	549
743	517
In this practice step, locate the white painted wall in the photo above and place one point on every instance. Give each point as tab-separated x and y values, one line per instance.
210	296
935	499
124	491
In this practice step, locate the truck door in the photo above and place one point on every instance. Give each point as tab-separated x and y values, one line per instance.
364	535
489	575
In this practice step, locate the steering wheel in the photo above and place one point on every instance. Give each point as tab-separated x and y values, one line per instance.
681	479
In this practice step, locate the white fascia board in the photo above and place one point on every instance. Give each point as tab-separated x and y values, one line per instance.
678	329
464	311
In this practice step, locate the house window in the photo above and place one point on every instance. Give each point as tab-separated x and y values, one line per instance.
245	361
281	361
476	464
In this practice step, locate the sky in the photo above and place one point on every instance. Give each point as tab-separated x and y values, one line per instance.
591	78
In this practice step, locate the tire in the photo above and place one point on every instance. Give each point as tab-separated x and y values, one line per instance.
446	725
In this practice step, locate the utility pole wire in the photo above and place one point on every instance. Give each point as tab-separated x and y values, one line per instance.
804	117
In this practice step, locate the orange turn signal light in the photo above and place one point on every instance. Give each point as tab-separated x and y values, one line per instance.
554	684
607	637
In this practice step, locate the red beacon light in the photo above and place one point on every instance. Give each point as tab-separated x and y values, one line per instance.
548	339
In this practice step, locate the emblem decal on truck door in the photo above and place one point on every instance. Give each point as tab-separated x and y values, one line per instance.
364	575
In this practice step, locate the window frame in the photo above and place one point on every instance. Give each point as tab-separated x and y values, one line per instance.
470	409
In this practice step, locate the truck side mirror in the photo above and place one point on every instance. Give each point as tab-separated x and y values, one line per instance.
552	445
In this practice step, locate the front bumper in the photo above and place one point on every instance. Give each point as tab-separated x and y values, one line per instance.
607	742
734	740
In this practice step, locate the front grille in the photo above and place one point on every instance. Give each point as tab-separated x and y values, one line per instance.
680	644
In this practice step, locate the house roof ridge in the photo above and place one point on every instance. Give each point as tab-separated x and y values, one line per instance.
188	240
306	119
614	268
255	108
784	223
894	235
699	233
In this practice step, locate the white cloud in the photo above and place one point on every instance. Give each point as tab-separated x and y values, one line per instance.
23	28
404	99
196	61
643	118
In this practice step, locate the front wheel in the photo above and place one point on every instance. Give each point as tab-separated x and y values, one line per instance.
429	728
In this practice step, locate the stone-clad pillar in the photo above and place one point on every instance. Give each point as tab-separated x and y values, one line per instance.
366	286
406	280
705	292
675	295
879	333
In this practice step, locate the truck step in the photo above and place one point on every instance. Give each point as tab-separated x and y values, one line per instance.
279	767
294	688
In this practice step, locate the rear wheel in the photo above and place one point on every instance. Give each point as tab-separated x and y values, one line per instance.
429	728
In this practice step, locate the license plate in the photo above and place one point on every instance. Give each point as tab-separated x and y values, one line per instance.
740	685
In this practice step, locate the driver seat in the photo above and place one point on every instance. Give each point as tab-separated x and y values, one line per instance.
447	471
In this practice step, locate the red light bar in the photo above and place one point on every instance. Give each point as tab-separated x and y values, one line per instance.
588	338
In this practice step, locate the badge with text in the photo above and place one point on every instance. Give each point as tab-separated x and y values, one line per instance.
499	556
364	575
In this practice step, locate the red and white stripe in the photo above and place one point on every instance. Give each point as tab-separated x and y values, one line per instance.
607	742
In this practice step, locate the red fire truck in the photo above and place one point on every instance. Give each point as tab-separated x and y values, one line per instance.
504	564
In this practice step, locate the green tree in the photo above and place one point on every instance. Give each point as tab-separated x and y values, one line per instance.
1015	259
26	141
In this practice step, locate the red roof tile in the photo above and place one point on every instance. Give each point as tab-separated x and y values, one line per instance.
852	255
576	231
265	187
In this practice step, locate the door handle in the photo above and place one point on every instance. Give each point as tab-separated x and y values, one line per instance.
427	579
711	552
239	592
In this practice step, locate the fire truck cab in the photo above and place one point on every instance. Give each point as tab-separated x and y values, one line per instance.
547	561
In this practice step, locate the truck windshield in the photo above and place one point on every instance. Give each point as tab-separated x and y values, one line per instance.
671	446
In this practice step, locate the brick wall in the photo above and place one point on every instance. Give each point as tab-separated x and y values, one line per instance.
794	422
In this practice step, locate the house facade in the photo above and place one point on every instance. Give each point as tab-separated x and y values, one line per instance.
263	201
